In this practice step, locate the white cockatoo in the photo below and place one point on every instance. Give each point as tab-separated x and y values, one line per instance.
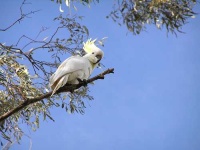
77	67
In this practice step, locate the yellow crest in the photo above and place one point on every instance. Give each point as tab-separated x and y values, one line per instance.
89	45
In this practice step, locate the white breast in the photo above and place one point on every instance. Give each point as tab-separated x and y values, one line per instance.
82	74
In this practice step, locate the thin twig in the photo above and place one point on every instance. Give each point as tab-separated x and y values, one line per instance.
66	88
22	16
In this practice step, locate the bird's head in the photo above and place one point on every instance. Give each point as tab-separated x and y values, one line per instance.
93	53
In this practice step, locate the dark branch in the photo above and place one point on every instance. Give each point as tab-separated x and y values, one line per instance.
22	16
66	88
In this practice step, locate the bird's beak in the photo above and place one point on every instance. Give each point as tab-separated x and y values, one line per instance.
99	57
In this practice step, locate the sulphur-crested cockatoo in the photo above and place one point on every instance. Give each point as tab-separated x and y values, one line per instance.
77	67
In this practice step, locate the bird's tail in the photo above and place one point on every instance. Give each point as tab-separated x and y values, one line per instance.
62	81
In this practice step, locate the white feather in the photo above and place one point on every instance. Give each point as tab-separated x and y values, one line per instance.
68	72
75	67
61	83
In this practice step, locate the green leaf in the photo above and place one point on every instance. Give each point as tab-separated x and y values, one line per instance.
63	105
86	30
50	118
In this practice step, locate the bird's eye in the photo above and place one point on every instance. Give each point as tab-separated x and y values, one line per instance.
93	53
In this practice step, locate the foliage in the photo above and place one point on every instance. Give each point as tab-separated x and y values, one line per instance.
81	1
136	14
17	84
170	14
84	2
24	76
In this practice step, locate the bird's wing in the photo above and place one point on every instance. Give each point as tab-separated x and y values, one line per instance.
72	64
59	83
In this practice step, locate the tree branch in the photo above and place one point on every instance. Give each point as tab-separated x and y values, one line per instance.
22	16
66	88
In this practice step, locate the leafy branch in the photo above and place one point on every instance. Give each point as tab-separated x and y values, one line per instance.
23	76
168	14
66	88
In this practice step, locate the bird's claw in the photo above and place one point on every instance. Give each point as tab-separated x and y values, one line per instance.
84	81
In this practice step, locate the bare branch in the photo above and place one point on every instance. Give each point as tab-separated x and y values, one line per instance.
22	16
66	88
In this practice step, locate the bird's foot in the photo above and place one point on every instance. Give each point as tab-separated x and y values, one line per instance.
71	91
83	82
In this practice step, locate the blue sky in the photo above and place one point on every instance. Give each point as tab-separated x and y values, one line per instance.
151	102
